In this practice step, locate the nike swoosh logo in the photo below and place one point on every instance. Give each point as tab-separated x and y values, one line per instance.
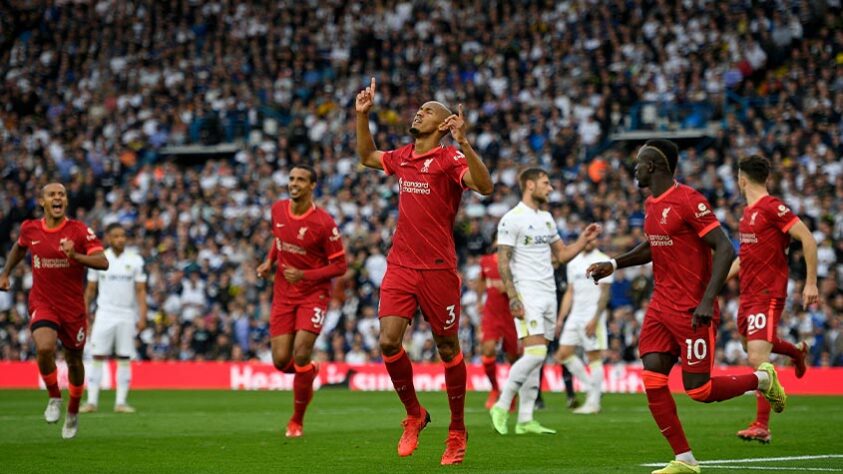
694	363
279	225
35	242
449	326
749	333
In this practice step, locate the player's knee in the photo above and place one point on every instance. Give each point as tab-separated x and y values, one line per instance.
301	355
389	346
447	353
700	393
756	359
281	361
563	354
44	353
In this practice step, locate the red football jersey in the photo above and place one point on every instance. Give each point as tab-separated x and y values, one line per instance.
764	240
57	281
675	223
305	242
430	189
497	303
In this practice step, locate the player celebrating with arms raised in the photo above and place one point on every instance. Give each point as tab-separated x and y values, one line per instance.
681	320
307	247
121	313
421	271
765	231
61	249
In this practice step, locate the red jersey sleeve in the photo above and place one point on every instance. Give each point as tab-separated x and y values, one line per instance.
457	167
332	240
24	238
698	214
390	159
780	215
87	240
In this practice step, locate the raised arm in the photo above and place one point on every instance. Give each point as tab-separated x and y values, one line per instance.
370	156
800	232
477	178
505	253
724	254
565	253
12	260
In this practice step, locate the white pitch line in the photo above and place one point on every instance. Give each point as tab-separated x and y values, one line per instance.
711	463
773	468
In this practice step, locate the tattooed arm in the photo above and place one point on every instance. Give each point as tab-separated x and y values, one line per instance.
516	307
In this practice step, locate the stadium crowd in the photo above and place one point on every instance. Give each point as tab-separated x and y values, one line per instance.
94	95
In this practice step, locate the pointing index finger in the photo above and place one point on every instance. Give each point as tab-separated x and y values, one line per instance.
459	110
372	85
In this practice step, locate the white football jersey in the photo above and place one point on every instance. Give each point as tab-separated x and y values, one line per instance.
530	232
116	286
586	293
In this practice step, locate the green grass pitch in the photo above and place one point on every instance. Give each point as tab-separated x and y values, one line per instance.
206	431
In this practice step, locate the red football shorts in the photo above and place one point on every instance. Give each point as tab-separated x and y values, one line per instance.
670	332
435	292
757	321
500	326
305	315
72	330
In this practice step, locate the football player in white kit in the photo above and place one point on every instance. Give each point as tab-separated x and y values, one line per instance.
528	242
583	312
120	315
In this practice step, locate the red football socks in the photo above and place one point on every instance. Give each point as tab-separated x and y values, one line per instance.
51	380
663	408
490	366
401	372
762	416
780	346
75	395
455	379
302	390
725	387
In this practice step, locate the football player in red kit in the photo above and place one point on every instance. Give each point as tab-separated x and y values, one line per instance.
681	321
62	249
422	264
308	250
497	325
765	230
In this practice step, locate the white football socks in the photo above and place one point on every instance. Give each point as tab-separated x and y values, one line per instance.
94	381
124	376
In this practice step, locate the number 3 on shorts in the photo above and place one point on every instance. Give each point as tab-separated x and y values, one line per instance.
697	350
318	317
451	316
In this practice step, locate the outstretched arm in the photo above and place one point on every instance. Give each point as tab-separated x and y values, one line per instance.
565	253
504	258
724	254
477	177
800	232
639	255
369	155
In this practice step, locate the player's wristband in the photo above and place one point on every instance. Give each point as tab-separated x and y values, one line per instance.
614	264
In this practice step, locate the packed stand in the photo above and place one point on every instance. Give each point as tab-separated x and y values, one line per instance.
95	95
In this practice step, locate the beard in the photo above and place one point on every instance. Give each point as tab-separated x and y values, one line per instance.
415	132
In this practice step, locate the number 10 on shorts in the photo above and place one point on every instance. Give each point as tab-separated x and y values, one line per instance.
697	350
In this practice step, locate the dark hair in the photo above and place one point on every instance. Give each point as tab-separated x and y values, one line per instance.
309	169
530	174
755	167
667	148
112	226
